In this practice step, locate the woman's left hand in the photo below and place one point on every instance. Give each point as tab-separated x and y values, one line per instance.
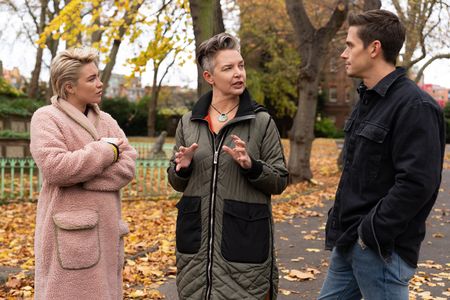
239	152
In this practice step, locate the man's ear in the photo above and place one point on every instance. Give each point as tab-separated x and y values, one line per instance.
208	77
375	49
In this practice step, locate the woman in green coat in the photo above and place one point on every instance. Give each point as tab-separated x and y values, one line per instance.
228	161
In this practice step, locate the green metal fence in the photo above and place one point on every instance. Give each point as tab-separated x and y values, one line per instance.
150	180
21	179
145	150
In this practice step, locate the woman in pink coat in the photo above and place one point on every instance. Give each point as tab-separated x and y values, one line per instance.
79	230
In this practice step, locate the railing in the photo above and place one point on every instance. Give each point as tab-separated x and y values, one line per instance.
145	150
150	181
21	179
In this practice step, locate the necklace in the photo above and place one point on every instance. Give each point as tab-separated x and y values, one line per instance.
223	117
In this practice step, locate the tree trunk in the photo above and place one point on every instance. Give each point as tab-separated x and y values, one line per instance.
33	88
207	21
129	18
218	18
53	47
107	71
153	103
96	36
314	44
302	132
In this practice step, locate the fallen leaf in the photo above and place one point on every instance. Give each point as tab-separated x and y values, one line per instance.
312	250
297	259
285	292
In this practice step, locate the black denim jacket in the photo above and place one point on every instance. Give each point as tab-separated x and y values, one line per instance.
393	155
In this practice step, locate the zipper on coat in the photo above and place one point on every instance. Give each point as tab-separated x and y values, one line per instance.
212	208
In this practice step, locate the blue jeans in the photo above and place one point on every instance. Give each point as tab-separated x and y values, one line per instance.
359	272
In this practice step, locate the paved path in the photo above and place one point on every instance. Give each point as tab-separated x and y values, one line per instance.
290	244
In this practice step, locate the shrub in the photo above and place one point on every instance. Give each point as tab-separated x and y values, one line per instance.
324	127
12	134
8	90
132	116
19	106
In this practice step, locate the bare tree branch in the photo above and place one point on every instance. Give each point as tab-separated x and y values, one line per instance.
332	26
300	19
33	17
422	69
422	56
399	11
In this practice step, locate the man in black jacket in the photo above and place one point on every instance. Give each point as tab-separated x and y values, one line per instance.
393	155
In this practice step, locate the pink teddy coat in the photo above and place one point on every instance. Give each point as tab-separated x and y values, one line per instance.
79	231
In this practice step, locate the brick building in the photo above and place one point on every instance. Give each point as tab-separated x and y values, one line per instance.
439	93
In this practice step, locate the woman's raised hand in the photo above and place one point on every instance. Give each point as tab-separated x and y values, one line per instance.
122	145
184	156
239	152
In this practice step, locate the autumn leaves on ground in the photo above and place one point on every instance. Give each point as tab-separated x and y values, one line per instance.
150	247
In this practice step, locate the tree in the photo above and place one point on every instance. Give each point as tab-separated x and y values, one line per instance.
317	35
33	25
34	83
105	26
207	21
314	45
269	48
101	24
169	40
427	25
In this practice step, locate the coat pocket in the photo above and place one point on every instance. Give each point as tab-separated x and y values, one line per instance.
245	232
189	225
372	148
374	133
77	239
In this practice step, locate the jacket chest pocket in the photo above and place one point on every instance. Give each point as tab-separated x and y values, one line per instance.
189	225
370	149
77	239
245	232
347	127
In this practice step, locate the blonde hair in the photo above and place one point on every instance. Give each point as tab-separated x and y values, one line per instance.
66	65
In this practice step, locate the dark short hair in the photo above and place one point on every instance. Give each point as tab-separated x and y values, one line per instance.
209	48
381	25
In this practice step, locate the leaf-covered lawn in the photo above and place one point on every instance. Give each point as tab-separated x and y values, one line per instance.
150	246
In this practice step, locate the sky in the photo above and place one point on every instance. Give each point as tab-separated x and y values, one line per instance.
16	51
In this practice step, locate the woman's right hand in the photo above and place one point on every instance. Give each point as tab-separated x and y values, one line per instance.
122	145
184	156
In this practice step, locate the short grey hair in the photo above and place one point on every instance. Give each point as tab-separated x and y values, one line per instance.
66	65
209	48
